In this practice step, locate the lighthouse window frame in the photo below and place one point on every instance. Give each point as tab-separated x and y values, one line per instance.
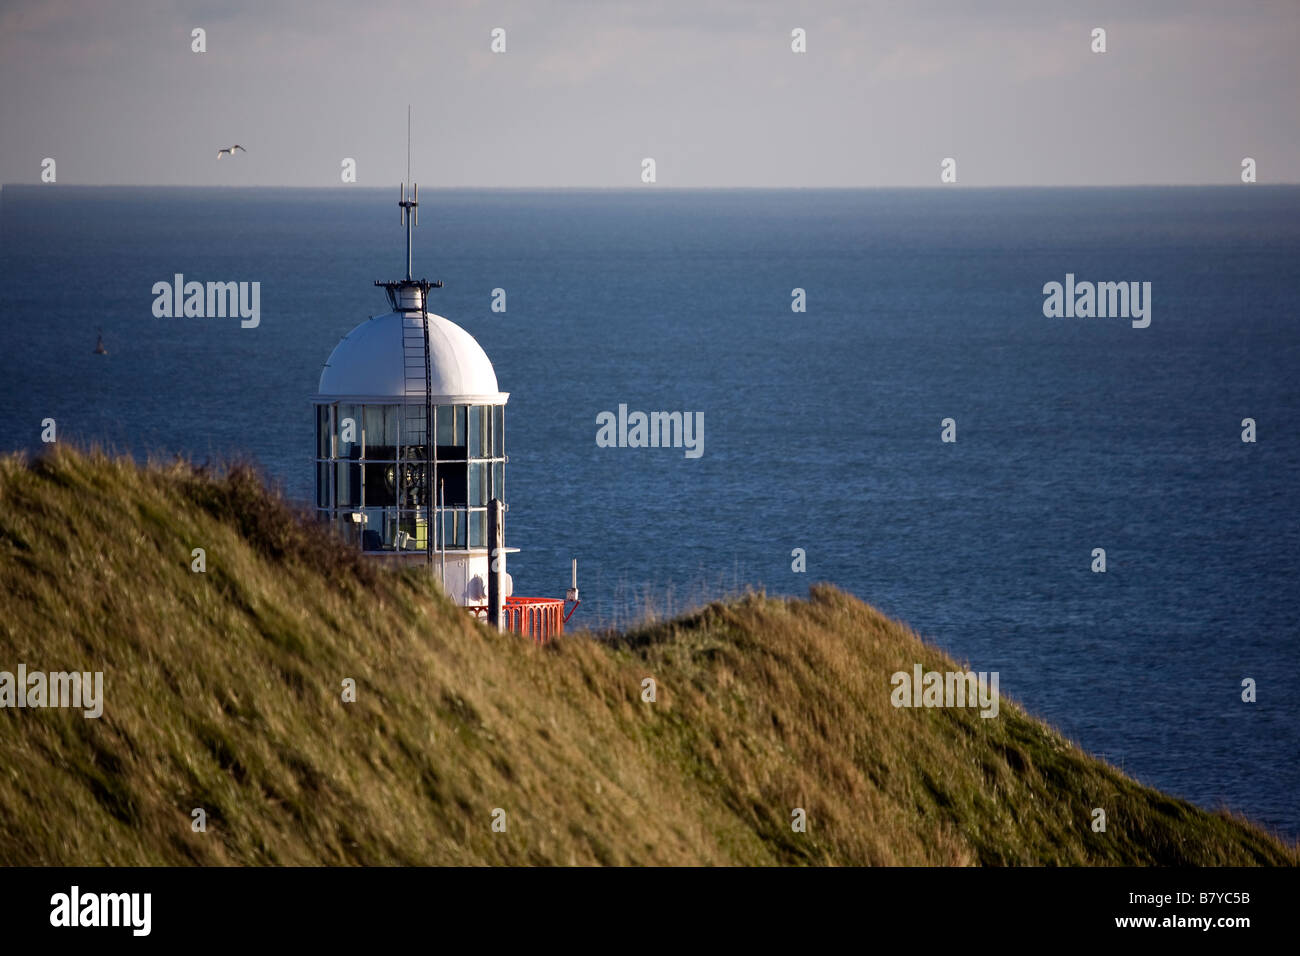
478	491
450	426
323	501
348	484
479	432
478	529
454	526
323	430
381	430
351	478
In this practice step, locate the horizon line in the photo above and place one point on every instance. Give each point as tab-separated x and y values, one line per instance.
648	187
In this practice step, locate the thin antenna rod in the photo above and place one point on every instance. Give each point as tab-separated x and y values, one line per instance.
410	207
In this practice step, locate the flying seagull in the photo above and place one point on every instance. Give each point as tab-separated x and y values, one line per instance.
229	149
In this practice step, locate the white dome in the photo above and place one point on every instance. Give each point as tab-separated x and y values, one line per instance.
370	362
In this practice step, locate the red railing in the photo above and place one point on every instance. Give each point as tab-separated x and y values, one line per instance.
539	619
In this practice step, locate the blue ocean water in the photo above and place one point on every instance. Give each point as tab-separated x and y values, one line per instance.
822	429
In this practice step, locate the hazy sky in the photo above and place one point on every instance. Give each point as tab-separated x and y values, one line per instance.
709	88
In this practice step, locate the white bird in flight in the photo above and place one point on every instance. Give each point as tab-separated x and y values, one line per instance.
229	149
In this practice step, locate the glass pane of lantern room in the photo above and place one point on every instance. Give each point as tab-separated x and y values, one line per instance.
322	431
444	419
381	484
376	448
451	425
348	478
478	431
450	483
478	529
453	527
392	423
498	431
478	486
410	427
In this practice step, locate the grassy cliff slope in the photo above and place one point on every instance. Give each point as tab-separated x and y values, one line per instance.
222	690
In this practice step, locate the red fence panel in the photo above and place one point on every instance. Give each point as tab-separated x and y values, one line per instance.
538	619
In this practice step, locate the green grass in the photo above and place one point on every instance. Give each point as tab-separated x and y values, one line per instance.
223	691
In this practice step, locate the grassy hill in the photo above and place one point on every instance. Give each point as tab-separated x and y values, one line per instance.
223	691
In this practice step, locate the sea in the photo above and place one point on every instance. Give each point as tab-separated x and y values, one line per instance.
823	455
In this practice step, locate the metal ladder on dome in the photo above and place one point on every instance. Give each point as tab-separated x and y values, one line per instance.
417	418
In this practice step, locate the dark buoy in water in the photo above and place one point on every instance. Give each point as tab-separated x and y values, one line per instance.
99	344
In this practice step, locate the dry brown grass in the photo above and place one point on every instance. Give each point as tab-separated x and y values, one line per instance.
222	691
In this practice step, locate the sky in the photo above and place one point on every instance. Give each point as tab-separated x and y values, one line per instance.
709	89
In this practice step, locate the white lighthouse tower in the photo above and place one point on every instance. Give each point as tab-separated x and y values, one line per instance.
410	452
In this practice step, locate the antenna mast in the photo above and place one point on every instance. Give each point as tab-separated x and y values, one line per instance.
409	219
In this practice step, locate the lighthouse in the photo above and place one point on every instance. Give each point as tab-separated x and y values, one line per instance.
411	453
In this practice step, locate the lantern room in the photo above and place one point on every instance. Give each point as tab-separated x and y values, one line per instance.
375	444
